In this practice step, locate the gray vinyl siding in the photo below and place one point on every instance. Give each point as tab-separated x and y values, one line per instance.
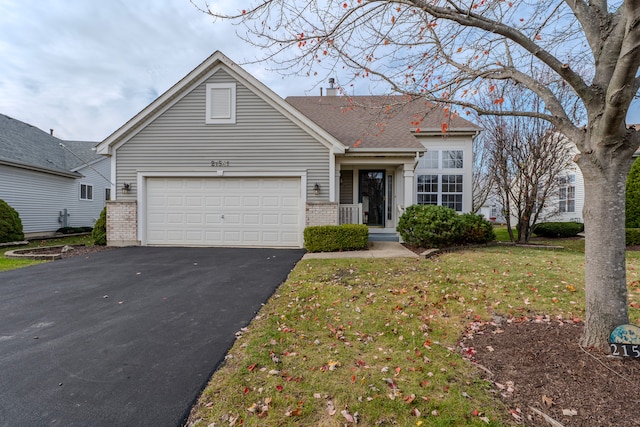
346	187
262	139
86	212
39	197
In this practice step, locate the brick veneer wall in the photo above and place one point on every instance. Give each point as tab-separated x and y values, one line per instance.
122	223
322	214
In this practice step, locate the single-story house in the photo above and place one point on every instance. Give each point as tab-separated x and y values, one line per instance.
50	182
221	160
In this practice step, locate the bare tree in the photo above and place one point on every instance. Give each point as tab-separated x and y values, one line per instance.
483	179
526	159
449	50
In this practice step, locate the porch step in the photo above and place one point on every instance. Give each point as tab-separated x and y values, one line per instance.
383	237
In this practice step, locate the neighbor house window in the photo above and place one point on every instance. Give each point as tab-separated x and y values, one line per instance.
567	193
221	103
86	192
452	159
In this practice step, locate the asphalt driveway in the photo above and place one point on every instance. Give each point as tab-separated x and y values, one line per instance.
127	337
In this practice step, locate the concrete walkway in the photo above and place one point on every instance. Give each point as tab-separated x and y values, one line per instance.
376	250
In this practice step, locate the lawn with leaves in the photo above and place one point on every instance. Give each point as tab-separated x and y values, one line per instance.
10	264
376	340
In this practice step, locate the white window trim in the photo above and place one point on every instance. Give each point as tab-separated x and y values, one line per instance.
439	193
86	192
231	118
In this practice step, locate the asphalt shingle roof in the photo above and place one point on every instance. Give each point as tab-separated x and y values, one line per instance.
377	121
27	145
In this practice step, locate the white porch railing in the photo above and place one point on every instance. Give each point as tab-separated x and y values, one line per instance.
350	214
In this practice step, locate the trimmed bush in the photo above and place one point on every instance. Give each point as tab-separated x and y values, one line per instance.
633	197
10	224
476	230
633	236
430	226
99	232
332	238
558	229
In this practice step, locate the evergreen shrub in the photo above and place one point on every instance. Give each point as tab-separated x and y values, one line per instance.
632	218
558	229
333	238
476	230
10	224
430	226
99	232
633	236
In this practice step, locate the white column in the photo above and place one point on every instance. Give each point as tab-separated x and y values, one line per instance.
337	184
409	188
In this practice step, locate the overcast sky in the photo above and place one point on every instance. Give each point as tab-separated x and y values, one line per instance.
85	67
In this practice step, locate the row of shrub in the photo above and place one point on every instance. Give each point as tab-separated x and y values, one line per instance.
430	226
558	229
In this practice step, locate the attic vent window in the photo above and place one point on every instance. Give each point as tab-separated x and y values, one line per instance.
221	103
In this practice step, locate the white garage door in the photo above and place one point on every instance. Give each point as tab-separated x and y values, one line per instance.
223	211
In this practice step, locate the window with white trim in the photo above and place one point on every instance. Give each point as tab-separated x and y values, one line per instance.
427	189
567	193
86	192
452	192
429	160
444	190
452	159
221	103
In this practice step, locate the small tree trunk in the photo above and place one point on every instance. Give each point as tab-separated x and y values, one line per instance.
605	246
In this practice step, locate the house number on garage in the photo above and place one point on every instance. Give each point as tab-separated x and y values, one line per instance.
219	163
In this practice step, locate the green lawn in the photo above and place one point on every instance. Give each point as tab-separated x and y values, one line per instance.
10	264
378	338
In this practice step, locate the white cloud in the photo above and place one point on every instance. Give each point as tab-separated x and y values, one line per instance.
84	68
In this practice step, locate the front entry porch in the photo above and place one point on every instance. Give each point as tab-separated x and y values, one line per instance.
375	195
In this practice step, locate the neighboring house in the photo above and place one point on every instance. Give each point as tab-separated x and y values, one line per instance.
220	159
50	182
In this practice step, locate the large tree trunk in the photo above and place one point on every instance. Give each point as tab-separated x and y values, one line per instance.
605	269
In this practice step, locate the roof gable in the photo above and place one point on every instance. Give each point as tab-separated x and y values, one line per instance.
379	122
196	77
22	144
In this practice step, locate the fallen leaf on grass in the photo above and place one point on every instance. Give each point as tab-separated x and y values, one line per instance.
548	401
294	413
569	412
350	418
331	410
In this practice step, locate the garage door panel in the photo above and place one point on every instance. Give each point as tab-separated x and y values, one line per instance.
223	211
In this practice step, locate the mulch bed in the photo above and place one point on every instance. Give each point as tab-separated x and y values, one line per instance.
539	364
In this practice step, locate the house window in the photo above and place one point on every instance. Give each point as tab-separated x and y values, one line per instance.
429	160
452	159
445	190
221	103
86	192
428	189
452	192
567	193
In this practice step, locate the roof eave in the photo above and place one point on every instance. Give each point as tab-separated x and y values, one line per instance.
40	169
